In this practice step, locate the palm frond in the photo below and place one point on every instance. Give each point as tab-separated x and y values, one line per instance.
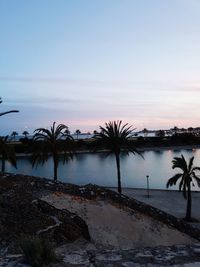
181	184
190	164
41	152
196	169
179	162
196	178
173	180
115	137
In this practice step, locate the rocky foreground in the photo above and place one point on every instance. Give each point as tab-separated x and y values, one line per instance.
90	226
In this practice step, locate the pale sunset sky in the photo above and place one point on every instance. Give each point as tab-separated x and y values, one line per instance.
85	62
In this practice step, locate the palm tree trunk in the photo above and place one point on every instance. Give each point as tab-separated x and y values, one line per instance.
118	173
189	204
3	165
55	167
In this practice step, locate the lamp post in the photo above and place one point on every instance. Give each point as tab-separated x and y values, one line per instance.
147	186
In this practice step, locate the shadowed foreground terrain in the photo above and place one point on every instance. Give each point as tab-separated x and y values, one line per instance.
90	225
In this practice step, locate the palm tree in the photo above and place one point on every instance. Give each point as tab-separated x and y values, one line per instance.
14	134
186	178
25	133
7	112
67	131
115	138
77	132
55	142
7	153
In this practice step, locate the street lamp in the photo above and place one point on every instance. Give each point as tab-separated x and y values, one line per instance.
147	186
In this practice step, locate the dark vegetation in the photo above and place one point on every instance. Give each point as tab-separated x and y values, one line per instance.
38	252
182	139
186	179
7	153
25	145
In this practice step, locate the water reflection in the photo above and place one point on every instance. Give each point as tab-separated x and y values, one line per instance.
98	169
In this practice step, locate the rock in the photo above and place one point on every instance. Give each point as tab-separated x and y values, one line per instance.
23	215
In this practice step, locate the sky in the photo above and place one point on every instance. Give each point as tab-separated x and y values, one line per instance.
86	62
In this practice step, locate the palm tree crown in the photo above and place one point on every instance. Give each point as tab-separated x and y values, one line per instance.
25	133
14	134
186	177
115	138
56	142
77	132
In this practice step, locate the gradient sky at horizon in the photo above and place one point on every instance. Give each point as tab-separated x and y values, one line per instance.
86	62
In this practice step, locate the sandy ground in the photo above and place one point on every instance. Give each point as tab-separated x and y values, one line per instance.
113	226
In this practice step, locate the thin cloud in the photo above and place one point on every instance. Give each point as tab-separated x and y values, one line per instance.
41	100
126	85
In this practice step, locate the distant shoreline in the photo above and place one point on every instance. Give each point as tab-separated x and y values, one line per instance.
140	149
175	147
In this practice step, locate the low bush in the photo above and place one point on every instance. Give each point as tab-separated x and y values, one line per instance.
38	252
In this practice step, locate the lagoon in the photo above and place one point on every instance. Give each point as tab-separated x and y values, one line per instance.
95	168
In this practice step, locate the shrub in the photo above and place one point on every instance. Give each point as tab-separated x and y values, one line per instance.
37	252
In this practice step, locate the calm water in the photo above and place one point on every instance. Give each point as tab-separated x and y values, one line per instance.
94	168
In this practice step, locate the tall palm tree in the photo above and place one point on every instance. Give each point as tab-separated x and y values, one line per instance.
7	153
56	142
115	138
186	177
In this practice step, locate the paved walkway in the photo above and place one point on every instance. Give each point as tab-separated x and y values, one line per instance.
169	201
75	255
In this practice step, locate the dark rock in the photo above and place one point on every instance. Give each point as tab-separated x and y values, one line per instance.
24	215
